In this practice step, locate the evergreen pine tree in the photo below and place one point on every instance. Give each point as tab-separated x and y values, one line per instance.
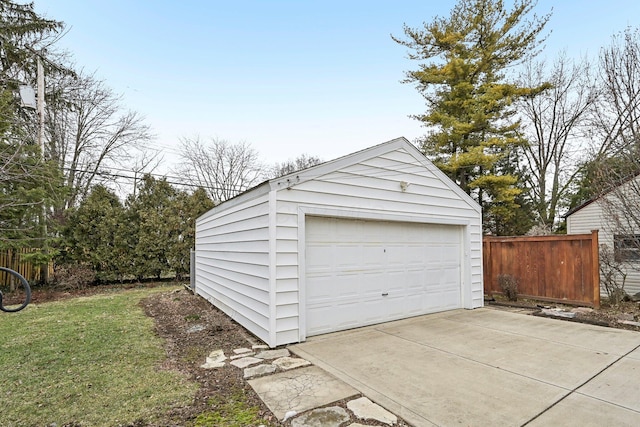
462	76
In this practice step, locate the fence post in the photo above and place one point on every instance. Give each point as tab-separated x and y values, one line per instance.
595	254
486	270
192	270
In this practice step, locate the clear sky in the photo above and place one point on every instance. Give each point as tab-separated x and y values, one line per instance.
288	77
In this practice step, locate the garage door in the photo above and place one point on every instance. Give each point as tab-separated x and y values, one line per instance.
364	272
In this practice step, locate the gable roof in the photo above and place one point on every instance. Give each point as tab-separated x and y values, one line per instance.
296	178
313	172
601	195
579	207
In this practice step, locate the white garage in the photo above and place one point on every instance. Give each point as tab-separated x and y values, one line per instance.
371	237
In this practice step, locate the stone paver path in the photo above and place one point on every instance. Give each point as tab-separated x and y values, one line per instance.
293	388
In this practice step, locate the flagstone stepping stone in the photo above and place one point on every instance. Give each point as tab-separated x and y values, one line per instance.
245	361
287	362
240	356
195	328
254	371
333	416
365	409
215	360
273	354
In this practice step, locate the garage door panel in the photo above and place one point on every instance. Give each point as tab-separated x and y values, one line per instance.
373	271
345	285
324	290
416	255
372	311
319	320
450	274
416	280
322	257
396	282
372	284
371	255
449	254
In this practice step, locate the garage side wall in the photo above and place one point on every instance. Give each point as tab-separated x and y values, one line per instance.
232	263
369	189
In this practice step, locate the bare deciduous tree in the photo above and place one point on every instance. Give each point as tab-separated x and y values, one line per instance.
89	132
616	164
553	122
616	123
303	161
222	168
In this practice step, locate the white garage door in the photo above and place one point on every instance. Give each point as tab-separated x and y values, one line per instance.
364	272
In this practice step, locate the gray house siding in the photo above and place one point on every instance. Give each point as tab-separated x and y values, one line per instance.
592	217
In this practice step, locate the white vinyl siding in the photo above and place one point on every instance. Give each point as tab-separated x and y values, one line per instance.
232	263
371	189
266	233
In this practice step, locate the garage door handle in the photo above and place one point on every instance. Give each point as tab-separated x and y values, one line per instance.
385	294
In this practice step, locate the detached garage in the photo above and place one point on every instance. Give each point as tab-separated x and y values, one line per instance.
371	237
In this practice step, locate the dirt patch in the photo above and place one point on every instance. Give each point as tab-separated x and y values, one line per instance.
609	315
192	328
177	312
42	294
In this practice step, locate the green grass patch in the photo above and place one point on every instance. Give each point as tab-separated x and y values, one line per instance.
92	361
230	411
192	317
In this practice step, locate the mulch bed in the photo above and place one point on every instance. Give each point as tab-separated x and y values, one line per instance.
178	311
174	314
608	315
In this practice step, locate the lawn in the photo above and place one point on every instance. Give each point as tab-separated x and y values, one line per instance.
90	361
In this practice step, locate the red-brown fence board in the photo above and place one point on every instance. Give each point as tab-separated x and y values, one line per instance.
555	268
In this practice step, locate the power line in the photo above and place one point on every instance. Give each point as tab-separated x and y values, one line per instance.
137	178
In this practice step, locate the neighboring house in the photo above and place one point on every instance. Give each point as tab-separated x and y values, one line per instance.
378	235
616	216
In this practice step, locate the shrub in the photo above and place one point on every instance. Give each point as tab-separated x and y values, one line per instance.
613	275
73	276
509	286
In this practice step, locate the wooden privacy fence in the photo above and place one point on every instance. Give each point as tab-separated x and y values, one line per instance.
14	259
554	268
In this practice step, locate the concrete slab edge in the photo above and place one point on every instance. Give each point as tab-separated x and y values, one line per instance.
375	396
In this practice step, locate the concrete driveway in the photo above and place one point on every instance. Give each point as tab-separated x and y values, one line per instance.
489	367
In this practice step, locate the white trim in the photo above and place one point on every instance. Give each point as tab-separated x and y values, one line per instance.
465	269
302	275
254	193
378	216
466	298
273	199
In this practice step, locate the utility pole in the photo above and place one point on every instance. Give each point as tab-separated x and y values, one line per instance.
44	271
40	105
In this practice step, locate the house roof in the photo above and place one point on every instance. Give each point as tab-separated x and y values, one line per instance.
296	178
579	207
599	196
